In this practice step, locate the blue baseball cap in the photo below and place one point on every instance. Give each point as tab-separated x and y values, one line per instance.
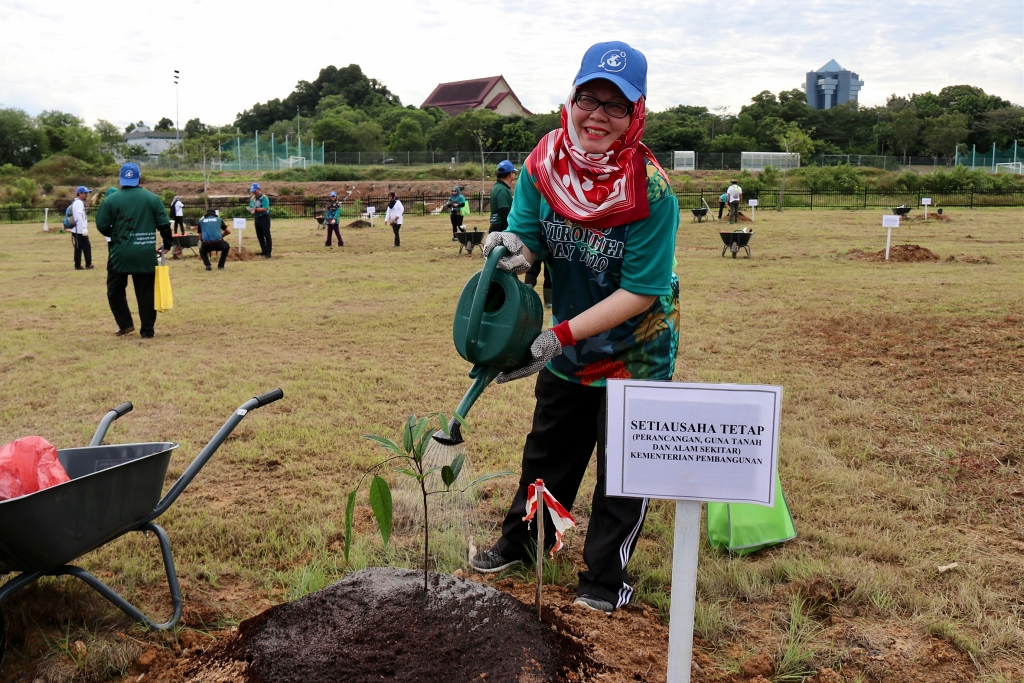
254	187
130	174
619	63
81	189
505	166
333	194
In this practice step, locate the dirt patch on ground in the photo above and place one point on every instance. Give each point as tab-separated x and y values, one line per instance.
243	255
901	253
378	624
359	224
932	216
967	258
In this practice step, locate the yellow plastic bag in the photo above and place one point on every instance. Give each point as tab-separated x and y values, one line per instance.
163	299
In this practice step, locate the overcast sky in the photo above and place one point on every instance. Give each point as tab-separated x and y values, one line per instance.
114	60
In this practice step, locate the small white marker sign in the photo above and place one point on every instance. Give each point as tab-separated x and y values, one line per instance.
751	202
238	223
890	221
926	201
691	443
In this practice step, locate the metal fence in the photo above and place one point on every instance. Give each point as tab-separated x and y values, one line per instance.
284	206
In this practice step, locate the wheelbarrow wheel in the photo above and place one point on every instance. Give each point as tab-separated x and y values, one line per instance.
3	635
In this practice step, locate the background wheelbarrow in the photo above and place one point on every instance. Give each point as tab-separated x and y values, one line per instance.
734	241
468	240
182	242
114	490
901	210
699	214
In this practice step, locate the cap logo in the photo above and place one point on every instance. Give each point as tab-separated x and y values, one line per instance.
613	61
129	174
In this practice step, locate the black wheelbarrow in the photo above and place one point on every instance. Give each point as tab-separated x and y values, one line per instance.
183	242
699	214
901	210
113	491
734	241
468	240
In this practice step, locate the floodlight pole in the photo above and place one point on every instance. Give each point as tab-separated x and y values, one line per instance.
176	134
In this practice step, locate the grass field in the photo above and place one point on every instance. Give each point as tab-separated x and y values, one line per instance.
902	447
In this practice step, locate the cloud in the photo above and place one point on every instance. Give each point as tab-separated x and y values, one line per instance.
116	63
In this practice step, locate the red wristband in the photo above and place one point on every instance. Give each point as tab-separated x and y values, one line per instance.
564	334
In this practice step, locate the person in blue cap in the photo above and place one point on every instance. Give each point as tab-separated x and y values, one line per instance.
259	207
594	204
501	196
131	219
78	221
331	216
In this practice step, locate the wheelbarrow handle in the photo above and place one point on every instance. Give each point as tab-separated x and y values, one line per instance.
204	455
101	430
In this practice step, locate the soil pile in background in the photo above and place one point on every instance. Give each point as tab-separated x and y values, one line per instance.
243	255
359	224
903	253
932	216
377	624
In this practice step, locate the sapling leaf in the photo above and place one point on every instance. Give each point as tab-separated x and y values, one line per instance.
492	475
380	503
386	443
350	510
407	472
457	464
443	420
462	421
407	437
447	476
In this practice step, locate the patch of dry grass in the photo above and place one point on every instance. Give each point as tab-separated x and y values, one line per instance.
901	446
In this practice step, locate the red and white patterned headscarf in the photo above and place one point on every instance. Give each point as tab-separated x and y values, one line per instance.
595	190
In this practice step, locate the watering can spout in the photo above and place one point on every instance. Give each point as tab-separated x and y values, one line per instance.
482	376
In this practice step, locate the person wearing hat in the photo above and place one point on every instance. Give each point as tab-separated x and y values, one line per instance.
331	216
80	229
259	207
594	204
393	216
735	195
455	204
212	231
501	196
178	212
131	219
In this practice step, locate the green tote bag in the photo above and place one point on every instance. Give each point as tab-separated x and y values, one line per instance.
744	528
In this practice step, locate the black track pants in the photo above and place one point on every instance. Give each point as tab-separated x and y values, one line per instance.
117	284
263	235
568	421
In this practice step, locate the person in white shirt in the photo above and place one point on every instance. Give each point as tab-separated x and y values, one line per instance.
735	193
393	217
80	230
178	213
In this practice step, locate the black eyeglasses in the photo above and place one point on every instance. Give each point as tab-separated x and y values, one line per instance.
616	110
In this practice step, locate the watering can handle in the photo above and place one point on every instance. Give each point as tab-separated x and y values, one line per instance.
476	313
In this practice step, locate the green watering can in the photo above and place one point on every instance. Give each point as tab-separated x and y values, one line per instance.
496	320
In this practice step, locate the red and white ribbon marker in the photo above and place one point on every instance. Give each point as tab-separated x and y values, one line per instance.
691	443
537	496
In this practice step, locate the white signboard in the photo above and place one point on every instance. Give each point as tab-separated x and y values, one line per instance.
238	223
926	201
705	442
371	210
890	221
751	202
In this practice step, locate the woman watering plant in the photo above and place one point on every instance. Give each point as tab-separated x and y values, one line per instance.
596	206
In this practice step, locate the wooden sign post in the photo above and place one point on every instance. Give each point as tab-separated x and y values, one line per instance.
752	203
889	222
239	225
691	443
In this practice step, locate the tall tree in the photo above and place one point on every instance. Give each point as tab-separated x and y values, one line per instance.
905	127
792	140
22	143
164	125
943	133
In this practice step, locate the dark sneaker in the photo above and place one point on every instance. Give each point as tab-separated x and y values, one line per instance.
490	561
220	267
147	334
79	268
122	332
596	604
90	267
209	268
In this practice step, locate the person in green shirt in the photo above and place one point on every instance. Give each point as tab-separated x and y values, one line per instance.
594	204
131	218
501	196
259	207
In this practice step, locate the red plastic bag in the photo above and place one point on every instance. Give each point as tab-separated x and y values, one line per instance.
29	465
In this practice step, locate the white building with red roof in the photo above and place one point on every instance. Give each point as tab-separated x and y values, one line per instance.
491	93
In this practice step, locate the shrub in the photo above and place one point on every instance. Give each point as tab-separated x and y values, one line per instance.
66	170
333	173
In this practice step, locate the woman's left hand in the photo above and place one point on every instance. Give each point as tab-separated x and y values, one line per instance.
544	348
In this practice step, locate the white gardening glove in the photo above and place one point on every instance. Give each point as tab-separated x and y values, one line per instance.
544	348
514	262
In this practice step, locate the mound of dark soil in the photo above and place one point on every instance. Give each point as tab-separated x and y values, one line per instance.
903	253
244	255
359	224
377	624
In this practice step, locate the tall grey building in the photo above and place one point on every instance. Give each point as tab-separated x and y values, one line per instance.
831	85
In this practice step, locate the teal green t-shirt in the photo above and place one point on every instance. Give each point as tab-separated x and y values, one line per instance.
587	265
130	219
